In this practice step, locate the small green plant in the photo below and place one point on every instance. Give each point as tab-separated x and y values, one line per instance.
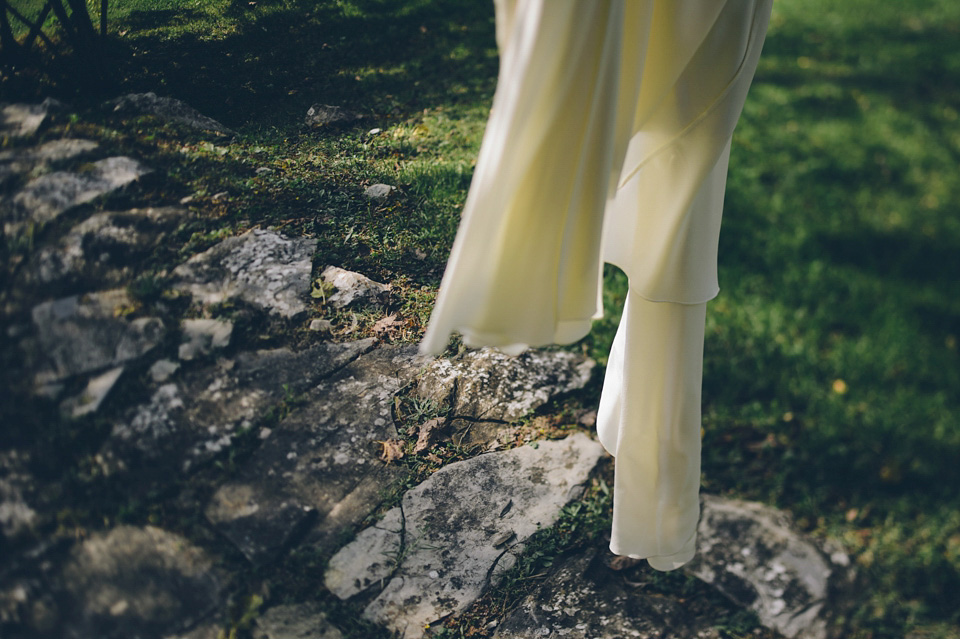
247	614
147	288
321	290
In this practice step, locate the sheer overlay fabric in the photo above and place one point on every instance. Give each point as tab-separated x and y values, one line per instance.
608	141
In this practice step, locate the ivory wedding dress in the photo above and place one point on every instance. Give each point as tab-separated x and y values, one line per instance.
608	140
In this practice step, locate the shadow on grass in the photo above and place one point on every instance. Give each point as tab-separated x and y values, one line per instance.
909	256
139	19
371	57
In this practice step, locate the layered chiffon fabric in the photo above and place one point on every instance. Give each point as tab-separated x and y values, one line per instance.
608	140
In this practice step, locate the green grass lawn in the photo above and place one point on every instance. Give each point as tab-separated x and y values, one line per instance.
831	379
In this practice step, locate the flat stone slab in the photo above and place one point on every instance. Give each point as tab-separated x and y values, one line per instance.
22	161
168	109
353	288
260	267
296	621
319	468
192	419
87	333
487	385
453	534
48	196
751	553
105	246
584	599
746	551
23	120
136	582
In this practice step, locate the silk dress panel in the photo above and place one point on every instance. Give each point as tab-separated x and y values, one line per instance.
608	140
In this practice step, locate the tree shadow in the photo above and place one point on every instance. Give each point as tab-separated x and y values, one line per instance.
381	57
909	256
140	19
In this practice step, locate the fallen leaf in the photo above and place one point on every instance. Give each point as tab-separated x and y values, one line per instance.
392	450
387	326
502	538
429	431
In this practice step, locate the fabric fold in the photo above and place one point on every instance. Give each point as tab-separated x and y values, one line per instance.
609	140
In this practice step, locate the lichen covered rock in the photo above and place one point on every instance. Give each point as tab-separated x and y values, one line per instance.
48	196
260	267
751	553
454	533
488	385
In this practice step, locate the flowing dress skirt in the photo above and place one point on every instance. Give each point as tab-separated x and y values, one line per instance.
608	140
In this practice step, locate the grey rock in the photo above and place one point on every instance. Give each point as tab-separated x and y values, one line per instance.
163	369
23	120
353	288
151	424
261	267
461	528
47	197
583	599
378	191
16	162
379	551
284	371
751	553
322	114
202	336
321	326
137	582
192	420
16	485
490	386
296	621
86	333
318	470
106	246
470	433
93	395
168	109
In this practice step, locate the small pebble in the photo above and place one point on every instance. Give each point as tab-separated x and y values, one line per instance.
321	325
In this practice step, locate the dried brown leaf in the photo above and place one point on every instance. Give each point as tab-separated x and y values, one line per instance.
429	431
388	326
392	450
